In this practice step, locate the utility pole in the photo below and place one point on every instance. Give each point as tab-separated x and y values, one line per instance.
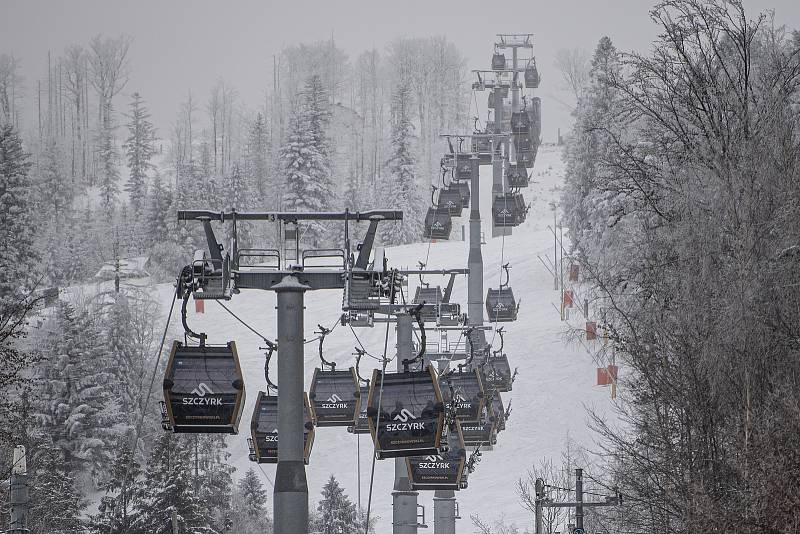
291	488
444	501
19	492
404	499
579	504
539	487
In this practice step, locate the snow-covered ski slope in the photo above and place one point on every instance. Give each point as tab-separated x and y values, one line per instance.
550	396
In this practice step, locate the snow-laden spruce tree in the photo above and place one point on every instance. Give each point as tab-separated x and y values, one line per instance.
75	402
239	195
401	188
17	255
56	504
336	514
168	486
307	159
249	513
257	166
108	179
116	513
54	190
139	149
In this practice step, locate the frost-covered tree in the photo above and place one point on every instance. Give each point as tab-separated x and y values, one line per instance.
168	486
17	255
139	149
336	514
249	512
401	186
116	513
306	157
108	180
239	195
56	504
159	204
76	405
587	207
257	165
54	190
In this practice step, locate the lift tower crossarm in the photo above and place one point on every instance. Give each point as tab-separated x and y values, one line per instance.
288	216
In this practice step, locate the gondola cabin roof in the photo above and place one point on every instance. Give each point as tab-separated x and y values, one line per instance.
335	397
203	389
441	471
264	429
410	417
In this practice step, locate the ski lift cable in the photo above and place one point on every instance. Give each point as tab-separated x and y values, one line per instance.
358	340
378	419
253	330
143	406
266	475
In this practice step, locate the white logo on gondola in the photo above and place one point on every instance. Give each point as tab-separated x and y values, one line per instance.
504	213
272	436
437	225
500	307
404	416
434	462
461	402
201	391
334	401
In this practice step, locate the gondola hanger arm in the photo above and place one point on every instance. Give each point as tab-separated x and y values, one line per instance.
186	285
322	332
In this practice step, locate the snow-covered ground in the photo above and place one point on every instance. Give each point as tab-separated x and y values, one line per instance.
554	387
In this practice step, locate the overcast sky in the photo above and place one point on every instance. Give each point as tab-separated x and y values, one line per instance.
182	44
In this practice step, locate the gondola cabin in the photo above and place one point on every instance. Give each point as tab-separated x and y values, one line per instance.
501	306
482	146
440	471
523	142
450	199
517	176
411	415
335	397
535	114
508	209
463	391
438	224
520	122
463	167
527	158
464	191
264	430
498	61
478	433
203	389
362	423
532	76
498	412
497	373
431	297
